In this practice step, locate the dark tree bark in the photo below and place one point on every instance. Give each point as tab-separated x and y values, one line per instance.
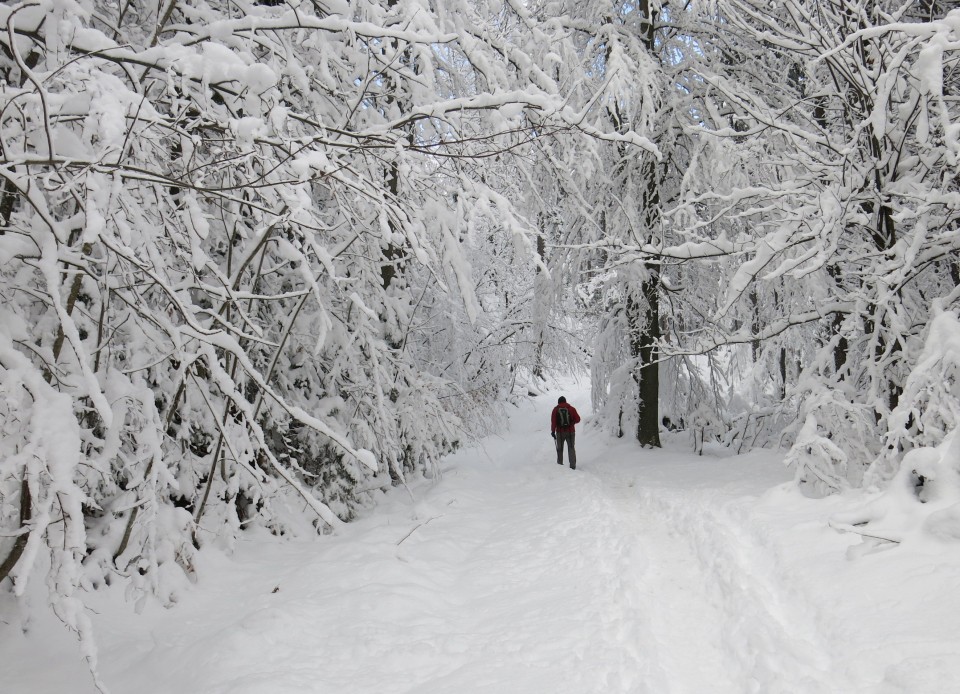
754	324
542	253
643	317
646	315
21	542
781	353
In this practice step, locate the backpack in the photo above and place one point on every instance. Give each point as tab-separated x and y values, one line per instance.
563	418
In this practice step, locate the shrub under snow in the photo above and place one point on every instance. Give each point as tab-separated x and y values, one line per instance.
923	495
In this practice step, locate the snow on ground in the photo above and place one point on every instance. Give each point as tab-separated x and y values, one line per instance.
640	572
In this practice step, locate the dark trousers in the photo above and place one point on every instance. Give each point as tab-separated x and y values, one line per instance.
571	451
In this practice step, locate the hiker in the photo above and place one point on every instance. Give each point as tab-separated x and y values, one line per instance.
562	428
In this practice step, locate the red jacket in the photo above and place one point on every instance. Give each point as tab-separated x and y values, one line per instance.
555	428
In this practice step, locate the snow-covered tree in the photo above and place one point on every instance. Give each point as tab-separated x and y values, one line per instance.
841	215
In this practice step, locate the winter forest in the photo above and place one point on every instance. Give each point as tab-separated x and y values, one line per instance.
264	261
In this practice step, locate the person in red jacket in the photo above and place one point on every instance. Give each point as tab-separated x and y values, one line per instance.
562	428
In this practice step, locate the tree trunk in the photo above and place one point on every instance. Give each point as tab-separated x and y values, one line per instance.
841	348
644	341
754	324
392	253
643	317
542	253
782	352
783	373
21	542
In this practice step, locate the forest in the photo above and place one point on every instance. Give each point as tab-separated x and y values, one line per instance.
262	260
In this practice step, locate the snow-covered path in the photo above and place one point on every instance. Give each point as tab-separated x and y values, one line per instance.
637	573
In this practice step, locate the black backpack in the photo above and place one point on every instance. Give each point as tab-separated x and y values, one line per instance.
563	418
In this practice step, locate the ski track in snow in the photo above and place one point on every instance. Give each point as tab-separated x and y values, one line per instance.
512	575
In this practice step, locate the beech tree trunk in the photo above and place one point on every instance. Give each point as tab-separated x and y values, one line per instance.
644	319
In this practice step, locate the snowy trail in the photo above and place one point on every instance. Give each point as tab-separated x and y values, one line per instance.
721	622
680	619
513	575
